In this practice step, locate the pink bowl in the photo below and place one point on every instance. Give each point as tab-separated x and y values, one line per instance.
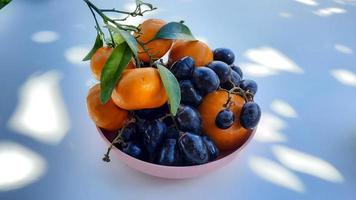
173	172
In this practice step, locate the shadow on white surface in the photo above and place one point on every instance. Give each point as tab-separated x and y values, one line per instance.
257	70
76	54
283	108
343	49
267	61
270	129
308	2
275	173
19	166
325	12
302	162
41	113
285	14
346	2
45	36
344	76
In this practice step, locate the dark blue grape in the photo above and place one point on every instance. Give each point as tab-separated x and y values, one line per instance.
235	81
153	136
134	150
205	80
249	85
193	149
188	120
224	119
129	133
211	147
188	93
183	68
237	69
225	55
250	115
168	154
221	69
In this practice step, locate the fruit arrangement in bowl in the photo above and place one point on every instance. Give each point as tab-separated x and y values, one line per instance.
179	118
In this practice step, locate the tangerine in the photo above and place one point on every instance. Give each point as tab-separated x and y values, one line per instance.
225	139
148	29
139	88
99	59
198	50
107	116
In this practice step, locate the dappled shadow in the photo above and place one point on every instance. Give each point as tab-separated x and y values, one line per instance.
283	108
19	166
41	113
344	76
45	36
267	61
343	49
282	174
75	54
270	129
302	162
308	2
275	173
325	12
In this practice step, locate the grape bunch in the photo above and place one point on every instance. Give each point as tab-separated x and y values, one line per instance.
156	136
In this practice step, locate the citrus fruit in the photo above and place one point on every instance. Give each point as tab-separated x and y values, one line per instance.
99	59
107	116
139	88
148	29
225	139
198	50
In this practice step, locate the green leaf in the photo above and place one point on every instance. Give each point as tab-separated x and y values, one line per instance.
172	88
117	39
3	3
175	30
112	70
129	39
97	45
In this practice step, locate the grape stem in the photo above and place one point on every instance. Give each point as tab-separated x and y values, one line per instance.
247	95
117	139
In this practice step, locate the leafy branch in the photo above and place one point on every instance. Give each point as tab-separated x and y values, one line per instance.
128	48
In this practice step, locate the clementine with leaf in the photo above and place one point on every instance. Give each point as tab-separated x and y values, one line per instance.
139	88
157	47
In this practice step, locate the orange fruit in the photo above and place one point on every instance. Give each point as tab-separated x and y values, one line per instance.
225	139
139	88
198	50
107	116
99	59
149	28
